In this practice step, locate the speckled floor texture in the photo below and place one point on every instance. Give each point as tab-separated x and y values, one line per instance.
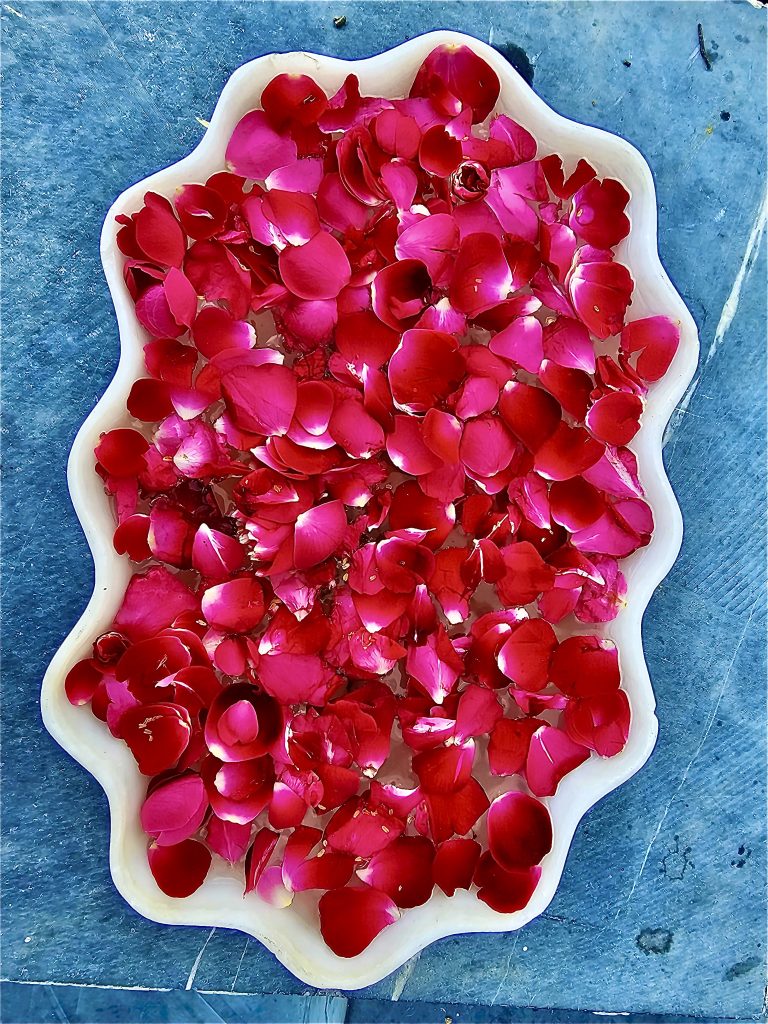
661	910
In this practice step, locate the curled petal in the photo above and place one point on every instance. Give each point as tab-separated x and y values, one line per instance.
258	856
454	78
242	723
433	240
399	293
174	810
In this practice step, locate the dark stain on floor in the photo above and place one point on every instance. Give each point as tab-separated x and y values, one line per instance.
654	940
741	968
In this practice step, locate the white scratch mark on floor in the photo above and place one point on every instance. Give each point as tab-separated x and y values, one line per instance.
401	980
85	984
12	10
700	745
490	36
198	958
727	314
732	302
507	968
237	972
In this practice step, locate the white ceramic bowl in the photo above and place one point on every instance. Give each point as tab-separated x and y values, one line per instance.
292	933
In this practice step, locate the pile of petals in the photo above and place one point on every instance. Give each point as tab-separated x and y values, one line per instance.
377	491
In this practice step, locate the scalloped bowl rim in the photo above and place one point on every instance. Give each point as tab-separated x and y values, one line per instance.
219	903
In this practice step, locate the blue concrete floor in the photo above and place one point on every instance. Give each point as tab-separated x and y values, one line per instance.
661	910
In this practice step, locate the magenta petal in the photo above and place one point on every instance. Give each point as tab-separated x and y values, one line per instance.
551	756
154	314
236	606
314	406
317	270
585	666
355	431
477	713
600	723
442	434
521	343
228	839
180	296
319	531
152	601
657	339
478	395
524	656
174	810
216	555
337	208
454	78
600	292
433	240
531	413
407	449
486	447
481	275
567	453
567	343
615	418
262	399
256	149
399	293
258	856
597	214
350	919
519	831
434	665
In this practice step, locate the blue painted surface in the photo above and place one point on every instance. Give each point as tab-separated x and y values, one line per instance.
662	905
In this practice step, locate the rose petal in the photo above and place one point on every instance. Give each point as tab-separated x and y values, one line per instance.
551	756
179	870
519	831
350	919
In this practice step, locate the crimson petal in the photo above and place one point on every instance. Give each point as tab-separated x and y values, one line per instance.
519	831
350	919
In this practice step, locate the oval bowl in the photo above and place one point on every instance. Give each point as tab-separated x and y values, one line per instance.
292	934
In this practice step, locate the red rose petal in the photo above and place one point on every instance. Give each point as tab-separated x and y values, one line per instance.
454	864
350	919
179	870
551	755
504	891
519	831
